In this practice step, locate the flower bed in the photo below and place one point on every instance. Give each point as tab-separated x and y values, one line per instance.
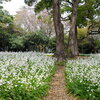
83	77
24	76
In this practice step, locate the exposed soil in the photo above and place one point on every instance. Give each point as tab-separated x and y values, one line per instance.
58	89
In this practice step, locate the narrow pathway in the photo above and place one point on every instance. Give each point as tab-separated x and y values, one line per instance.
58	90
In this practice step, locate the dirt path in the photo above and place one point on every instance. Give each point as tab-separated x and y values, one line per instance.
57	90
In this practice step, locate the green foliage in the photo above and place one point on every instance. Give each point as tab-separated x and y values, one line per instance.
27	77
43	4
80	89
36	41
5	19
5	22
4	41
16	43
52	45
87	44
97	44
82	33
82	77
87	9
22	93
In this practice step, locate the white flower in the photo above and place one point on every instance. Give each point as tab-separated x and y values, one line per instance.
24	68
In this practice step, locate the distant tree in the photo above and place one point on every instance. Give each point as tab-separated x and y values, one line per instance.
7	28
29	21
5	23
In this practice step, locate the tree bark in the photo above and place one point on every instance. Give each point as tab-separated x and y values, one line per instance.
73	45
59	31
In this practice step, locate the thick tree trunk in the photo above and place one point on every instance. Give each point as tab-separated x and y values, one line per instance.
59	31
72	45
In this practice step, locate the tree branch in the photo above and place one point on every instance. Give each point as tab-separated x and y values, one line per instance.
65	19
69	2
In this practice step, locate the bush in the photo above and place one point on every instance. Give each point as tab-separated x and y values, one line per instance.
4	41
86	43
16	43
97	45
52	44
36	41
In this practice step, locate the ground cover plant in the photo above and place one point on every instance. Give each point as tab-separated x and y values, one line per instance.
83	77
24	76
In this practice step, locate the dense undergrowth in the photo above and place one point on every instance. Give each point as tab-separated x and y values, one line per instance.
25	76
83	77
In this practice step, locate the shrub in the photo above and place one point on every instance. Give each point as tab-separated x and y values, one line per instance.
35	41
86	43
52	44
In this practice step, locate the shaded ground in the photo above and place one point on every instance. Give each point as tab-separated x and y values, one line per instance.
58	90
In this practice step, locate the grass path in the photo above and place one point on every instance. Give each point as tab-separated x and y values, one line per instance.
58	90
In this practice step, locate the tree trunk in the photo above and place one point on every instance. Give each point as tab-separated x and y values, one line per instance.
72	45
59	31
